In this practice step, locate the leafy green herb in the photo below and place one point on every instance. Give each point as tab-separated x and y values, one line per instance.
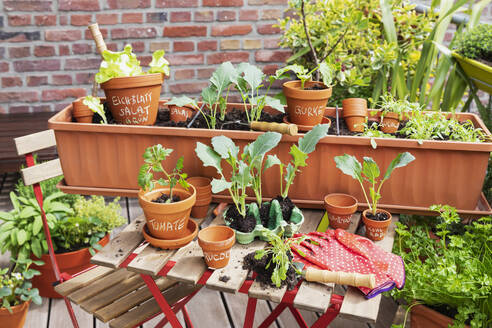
303	74
476	43
369	171
390	104
95	105
153	157
125	63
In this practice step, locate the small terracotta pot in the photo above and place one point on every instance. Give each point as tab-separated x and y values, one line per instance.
15	319
167	221
81	112
424	317
305	107
340	208
71	263
376	230
390	122
216	243
203	189
354	113
134	100
180	114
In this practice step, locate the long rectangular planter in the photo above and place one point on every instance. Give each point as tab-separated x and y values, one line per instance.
444	172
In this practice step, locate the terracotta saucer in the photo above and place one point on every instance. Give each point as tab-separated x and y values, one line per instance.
305	128
192	231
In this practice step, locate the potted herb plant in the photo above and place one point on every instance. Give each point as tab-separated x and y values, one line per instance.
392	111
166	202
447	279
78	230
376	220
131	93
16	293
306	99
474	53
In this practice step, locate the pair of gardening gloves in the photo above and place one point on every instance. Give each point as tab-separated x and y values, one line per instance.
339	250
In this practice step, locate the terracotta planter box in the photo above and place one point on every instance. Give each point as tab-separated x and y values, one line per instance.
105	160
424	317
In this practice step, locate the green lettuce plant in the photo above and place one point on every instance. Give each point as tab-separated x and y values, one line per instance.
299	154
15	285
95	105
369	171
153	157
125	63
454	271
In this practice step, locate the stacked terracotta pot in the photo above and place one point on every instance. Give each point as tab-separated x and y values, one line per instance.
203	196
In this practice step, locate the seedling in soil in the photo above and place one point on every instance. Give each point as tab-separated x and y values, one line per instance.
95	105
153	157
304	75
369	171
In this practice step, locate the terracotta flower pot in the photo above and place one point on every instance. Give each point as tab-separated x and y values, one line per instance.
180	114
167	221
71	263
376	230
354	113
424	317
15	319
340	208
390	122
203	189
216	243
81	112
134	100
305	107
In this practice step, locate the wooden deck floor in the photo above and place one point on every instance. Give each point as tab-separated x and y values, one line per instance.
208	309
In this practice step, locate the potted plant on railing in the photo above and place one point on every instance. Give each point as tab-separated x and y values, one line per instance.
473	52
132	94
166	202
376	220
447	279
16	292
78	230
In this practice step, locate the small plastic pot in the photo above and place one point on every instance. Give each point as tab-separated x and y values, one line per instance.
167	221
305	107
81	112
15	319
390	122
354	113
216	243
180	114
340	208
203	189
376	230
134	100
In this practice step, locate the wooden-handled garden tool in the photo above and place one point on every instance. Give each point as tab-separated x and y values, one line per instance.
100	46
290	129
337	277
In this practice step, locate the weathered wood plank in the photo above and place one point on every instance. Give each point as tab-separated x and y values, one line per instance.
151	260
82	280
35	141
154	321
59	315
190	264
354	305
237	308
129	301
151	308
112	294
118	249
38	314
100	285
41	172
207	310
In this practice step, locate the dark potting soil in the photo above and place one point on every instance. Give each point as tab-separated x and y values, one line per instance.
163	199
264	213
286	206
224	278
380	216
240	223
316	87
264	275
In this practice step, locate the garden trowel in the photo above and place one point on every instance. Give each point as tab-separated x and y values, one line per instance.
284	128
338	277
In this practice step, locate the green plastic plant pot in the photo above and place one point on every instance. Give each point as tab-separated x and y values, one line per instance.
289	228
479	73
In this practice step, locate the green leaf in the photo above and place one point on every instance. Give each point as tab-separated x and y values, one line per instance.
263	144
370	169
95	105
5	216
21	237
271	161
243	175
27	212
308	143
182	101
159	64
37	225
327	72
220	185
36	248
223	76
275	103
209	95
118	64
400	160
7	226
208	156
349	165
225	147
253	75
15	202
299	156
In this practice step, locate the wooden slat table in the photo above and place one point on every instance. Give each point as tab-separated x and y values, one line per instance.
126	298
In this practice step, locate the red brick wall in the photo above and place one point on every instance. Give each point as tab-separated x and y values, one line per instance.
47	57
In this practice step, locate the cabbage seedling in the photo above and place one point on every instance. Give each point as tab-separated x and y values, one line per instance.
304	75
